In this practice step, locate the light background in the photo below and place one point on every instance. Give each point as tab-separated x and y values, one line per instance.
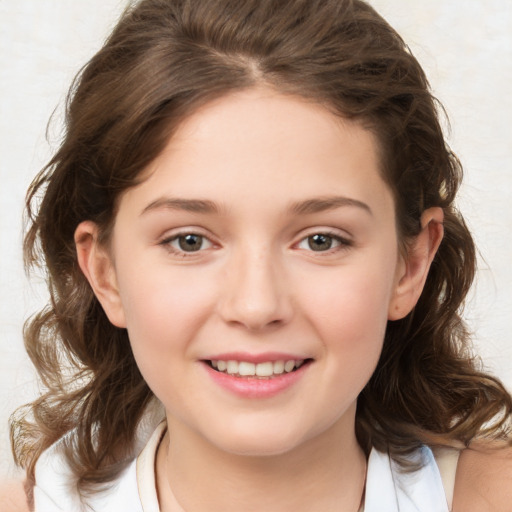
464	45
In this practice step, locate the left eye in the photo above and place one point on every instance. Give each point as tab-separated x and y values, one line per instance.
320	242
189	242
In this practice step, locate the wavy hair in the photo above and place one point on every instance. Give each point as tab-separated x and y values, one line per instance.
163	60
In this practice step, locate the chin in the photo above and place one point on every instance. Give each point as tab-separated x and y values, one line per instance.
258	442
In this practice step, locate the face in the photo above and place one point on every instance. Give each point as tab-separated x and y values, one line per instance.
255	268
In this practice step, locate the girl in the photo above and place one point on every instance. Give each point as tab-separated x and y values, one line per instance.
250	234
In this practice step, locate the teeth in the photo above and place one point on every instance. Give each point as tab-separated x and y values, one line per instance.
232	367
266	369
246	368
289	366
279	367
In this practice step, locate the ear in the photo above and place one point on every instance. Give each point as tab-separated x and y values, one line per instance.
97	266
414	267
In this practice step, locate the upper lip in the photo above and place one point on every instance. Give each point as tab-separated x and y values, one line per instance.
255	358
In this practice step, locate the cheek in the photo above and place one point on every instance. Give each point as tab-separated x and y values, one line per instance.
349	312
165	307
351	300
164	314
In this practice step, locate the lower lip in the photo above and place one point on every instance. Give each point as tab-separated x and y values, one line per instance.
254	387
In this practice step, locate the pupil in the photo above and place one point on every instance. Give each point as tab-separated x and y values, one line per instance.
190	243
320	242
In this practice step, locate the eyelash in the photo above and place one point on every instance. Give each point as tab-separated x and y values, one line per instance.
342	243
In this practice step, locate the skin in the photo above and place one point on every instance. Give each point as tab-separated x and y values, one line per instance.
259	161
12	496
483	479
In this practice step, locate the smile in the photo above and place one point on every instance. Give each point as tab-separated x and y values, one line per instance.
261	378
264	369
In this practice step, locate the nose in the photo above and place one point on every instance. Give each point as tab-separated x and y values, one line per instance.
255	294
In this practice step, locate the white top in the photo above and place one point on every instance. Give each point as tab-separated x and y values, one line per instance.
387	489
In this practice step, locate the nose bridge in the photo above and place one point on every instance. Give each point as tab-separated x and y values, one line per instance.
255	294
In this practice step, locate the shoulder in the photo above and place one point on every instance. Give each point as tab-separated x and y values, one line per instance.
13	497
55	483
56	488
483	480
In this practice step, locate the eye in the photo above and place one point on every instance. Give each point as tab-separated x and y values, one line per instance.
188	242
322	242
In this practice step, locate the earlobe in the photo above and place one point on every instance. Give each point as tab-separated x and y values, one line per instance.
96	265
415	265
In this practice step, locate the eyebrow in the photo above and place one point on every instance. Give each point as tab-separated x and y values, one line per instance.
189	205
307	207
322	204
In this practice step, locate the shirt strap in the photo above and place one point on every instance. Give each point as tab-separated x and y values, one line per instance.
447	460
146	481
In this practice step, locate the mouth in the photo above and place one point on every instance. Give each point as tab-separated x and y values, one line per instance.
263	370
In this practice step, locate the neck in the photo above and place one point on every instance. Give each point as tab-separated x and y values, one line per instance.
325	473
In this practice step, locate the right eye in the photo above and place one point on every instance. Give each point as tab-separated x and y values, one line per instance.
187	243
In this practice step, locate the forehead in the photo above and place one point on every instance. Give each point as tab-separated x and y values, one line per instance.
260	145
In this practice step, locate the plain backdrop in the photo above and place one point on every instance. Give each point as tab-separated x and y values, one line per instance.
464	45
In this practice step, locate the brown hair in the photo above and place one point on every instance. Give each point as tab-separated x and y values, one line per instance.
163	60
